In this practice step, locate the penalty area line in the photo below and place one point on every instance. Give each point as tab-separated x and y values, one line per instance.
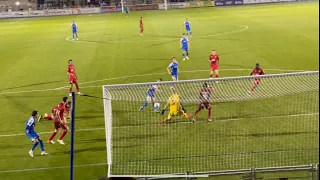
215	121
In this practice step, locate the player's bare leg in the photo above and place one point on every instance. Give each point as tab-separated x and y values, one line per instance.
209	114
217	74
174	78
50	140
141	31
70	89
47	116
78	88
211	74
167	119
252	88
64	133
196	114
187	54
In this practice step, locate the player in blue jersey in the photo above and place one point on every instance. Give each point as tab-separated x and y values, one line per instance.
184	45
188	29
74	28
32	135
151	97
173	69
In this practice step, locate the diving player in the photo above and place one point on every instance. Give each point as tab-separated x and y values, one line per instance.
151	97
175	108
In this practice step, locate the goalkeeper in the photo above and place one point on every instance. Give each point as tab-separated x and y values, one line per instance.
175	108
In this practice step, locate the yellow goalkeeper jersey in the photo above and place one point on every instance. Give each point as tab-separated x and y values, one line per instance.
174	103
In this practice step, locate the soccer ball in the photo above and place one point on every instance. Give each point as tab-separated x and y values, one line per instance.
156	105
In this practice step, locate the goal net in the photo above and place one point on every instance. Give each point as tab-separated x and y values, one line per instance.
277	125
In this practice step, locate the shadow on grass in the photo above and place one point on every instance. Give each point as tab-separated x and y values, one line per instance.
162	43
89	117
30	85
91	149
138	137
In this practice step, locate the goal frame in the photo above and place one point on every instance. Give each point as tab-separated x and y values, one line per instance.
107	100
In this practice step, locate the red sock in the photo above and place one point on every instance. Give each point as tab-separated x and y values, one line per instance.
47	117
63	134
52	136
141	31
217	75
209	114
77	86
211	75
196	113
252	88
70	90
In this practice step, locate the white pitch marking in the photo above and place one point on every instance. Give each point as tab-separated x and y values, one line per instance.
16	21
219	34
157	40
216	121
49	168
139	75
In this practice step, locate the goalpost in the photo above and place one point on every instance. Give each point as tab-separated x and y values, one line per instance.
277	125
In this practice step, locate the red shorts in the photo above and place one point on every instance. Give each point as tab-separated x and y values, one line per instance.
72	79
204	105
214	67
58	125
257	81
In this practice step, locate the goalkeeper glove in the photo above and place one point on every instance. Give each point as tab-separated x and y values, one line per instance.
162	112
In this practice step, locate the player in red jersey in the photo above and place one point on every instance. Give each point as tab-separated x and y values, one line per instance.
51	116
256	72
58	113
205	96
214	64
67	112
72	77
141	26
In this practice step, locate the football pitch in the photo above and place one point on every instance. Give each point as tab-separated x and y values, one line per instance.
34	53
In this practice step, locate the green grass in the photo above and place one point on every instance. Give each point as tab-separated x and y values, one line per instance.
34	54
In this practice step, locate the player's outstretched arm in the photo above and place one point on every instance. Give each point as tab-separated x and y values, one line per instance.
164	109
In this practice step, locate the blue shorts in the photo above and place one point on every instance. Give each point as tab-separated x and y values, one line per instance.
185	49
32	136
188	29
74	32
174	75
